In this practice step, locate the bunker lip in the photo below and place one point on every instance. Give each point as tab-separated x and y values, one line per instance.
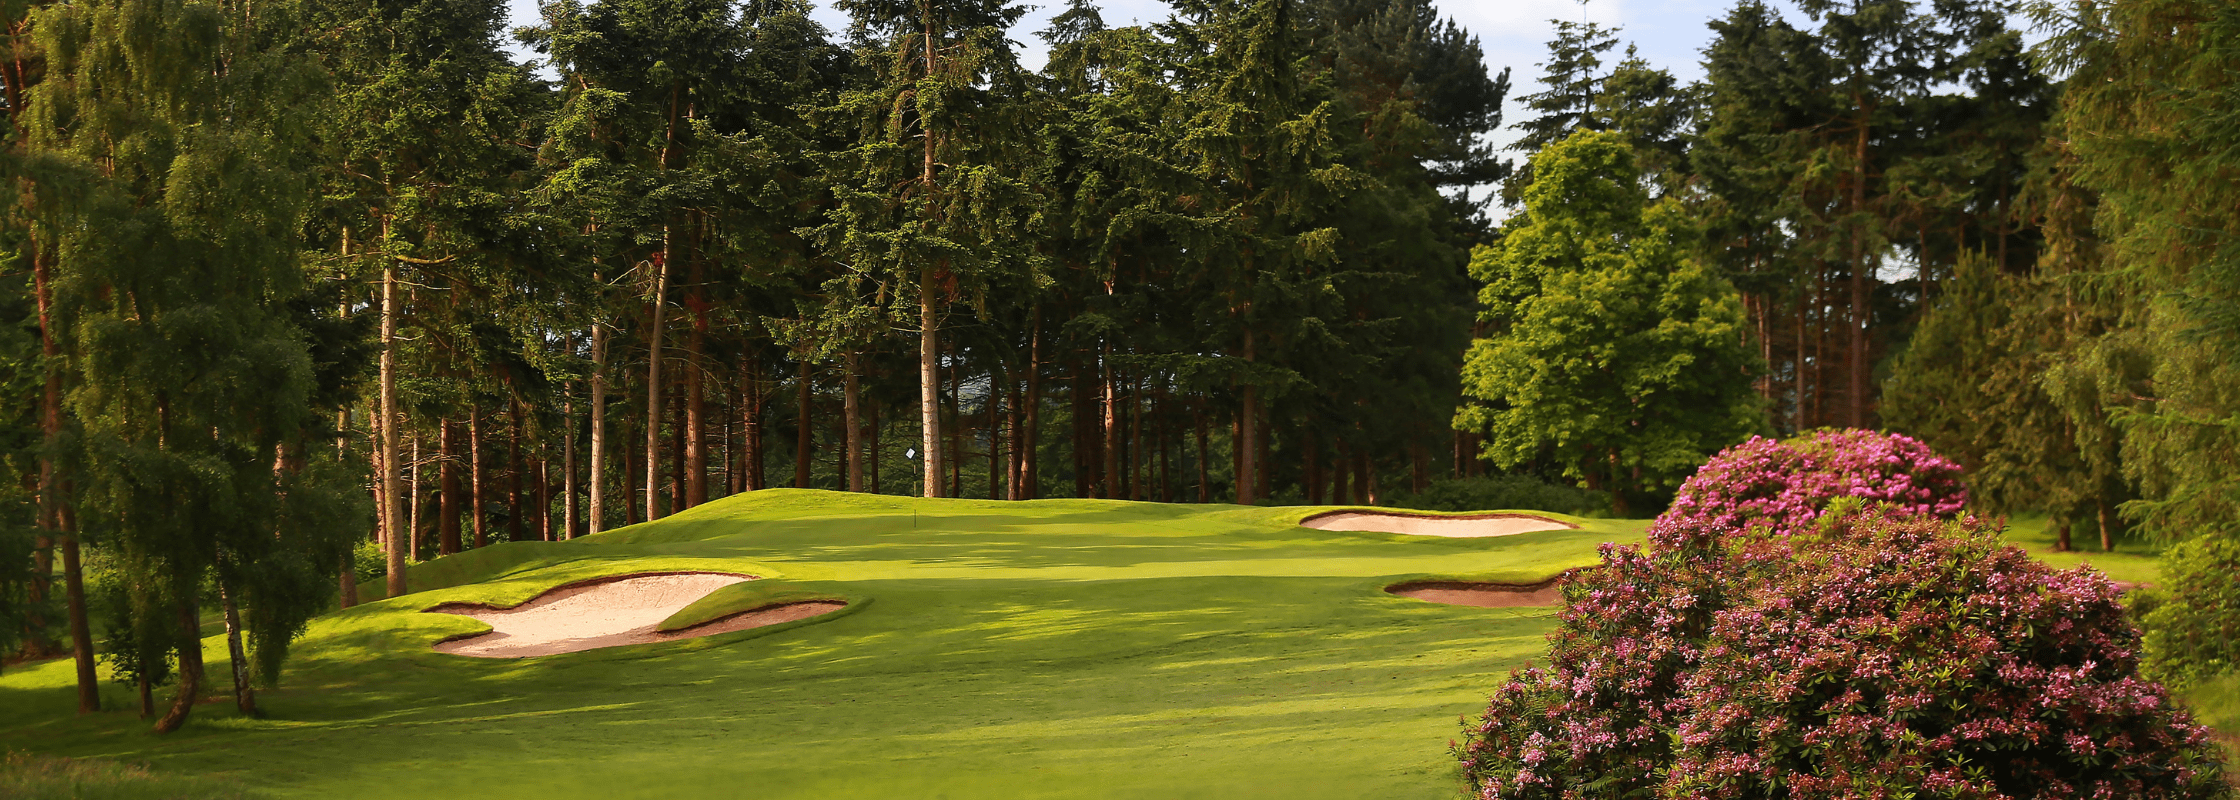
610	611
1481	594
1464	526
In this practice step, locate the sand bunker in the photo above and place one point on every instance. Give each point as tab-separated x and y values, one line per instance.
610	613
1468	527
1482	595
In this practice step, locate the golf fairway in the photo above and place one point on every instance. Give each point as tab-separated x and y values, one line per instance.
1040	649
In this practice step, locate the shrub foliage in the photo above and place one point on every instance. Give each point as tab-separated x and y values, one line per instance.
1807	623
2193	619
1784	485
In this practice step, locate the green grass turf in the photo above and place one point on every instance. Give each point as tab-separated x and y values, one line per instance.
2133	561
1058	648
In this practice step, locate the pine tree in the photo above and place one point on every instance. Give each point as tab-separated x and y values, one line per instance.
928	202
424	115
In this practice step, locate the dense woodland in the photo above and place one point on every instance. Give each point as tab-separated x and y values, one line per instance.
297	293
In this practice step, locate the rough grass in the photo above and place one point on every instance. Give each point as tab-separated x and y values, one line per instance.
27	777
1059	649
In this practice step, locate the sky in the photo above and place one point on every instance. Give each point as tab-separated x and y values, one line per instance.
1514	33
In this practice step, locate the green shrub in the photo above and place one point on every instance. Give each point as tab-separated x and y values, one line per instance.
2192	621
1497	492
370	564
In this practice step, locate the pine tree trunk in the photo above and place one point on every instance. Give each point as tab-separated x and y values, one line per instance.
1015	466
955	463
805	431
696	401
474	477
595	515
392	511
383	526
447	506
516	516
1313	464
1109	382
1083	449
348	576
1421	466
750	429
190	665
732	404
2107	527
1341	490
851	423
676	448
1820	352
418	501
1248	427
653	381
1166	441
1369	478
929	363
544	498
929	338
1237	488
995	439
1797	420
568	508
1205	487
1030	457
1135	440
1862	276
1263	477
632	511
244	695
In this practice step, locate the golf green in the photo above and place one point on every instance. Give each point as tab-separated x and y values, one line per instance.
1055	648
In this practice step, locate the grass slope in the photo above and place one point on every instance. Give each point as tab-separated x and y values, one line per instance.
1045	649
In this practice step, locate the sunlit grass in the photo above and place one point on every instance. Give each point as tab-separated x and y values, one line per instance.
2133	561
1058	648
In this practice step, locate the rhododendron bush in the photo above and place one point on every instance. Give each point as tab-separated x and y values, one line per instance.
1784	485
1836	648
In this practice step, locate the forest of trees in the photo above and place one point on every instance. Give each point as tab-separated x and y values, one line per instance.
300	292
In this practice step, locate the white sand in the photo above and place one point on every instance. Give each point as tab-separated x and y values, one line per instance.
1472	527
1482	595
609	614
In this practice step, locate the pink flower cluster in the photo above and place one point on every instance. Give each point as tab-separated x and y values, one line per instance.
1784	485
1880	653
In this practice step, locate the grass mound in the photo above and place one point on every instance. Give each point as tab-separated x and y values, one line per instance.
740	598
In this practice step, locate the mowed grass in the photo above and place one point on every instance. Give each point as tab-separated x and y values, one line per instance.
2133	560
1045	649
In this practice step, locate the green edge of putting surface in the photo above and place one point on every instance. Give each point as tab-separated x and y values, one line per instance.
1052	648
